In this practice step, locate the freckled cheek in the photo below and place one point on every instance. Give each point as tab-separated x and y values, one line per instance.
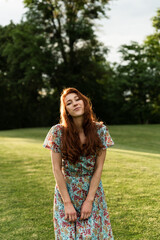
68	109
83	106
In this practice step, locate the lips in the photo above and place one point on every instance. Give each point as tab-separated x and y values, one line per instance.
76	108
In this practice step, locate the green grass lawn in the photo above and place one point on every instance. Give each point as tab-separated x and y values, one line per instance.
131	180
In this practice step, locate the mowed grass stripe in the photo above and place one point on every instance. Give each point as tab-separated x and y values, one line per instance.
131	184
27	190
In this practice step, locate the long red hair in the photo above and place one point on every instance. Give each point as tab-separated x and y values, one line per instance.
71	145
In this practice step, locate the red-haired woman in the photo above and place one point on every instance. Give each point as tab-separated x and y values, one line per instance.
78	150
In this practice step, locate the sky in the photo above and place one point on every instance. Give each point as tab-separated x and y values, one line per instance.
129	20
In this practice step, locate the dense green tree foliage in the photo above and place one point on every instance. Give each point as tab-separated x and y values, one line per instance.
152	46
21	76
55	46
80	59
134	80
138	78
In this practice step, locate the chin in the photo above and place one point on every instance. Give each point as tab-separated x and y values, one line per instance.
78	115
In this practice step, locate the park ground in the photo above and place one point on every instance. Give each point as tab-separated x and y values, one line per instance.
131	180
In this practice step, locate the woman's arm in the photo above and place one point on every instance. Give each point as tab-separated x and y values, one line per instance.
97	175
70	212
87	205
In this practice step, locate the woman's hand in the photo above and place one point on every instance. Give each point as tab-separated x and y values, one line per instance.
70	212
86	209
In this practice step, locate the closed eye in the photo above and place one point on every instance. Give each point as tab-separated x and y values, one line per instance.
76	100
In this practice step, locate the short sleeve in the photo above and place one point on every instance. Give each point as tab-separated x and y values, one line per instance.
53	139
105	137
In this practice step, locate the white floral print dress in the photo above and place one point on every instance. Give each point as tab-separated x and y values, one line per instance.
78	177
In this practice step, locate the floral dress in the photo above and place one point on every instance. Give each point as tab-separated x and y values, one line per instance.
78	177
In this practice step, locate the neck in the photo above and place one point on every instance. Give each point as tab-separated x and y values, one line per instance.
78	121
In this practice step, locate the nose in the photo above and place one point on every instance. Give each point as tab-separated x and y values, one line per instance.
75	103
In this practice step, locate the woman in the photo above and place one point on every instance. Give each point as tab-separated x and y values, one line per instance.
78	150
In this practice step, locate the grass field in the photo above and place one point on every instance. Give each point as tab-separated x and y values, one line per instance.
131	180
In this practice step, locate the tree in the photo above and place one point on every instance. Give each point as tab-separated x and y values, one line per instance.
137	78
79	59
22	78
134	80
152	46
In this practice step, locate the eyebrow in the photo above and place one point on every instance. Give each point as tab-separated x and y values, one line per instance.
71	99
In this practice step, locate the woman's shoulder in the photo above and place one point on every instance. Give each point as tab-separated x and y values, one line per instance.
57	128
100	125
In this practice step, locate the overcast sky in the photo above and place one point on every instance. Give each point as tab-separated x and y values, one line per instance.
128	20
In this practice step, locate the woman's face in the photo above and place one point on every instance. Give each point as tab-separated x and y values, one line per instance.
74	105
